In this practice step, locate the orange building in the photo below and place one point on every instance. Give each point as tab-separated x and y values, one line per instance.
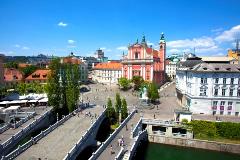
1	70
39	76
108	72
145	61
12	76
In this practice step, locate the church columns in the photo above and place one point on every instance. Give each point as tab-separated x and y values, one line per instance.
151	73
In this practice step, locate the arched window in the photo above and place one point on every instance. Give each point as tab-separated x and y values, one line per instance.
136	55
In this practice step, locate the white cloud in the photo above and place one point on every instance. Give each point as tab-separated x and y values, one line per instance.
25	48
229	35
195	42
174	50
217	30
212	49
71	46
17	46
62	24
122	48
70	41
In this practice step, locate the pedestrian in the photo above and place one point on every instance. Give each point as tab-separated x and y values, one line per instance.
126	127
78	114
154	116
111	149
157	107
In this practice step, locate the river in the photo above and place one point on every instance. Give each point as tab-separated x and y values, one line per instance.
154	151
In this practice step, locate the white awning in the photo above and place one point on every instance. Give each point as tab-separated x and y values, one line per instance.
4	102
43	100
11	108
33	101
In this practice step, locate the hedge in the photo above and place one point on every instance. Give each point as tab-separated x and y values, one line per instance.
207	129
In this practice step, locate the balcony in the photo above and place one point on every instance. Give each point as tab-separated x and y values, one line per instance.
136	61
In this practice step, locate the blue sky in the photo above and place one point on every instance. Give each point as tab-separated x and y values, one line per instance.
30	27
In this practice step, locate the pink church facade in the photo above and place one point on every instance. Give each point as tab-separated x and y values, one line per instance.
145	61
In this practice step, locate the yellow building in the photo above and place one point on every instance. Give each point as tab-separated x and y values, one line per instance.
235	53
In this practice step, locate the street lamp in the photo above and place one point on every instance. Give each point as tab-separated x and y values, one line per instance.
120	116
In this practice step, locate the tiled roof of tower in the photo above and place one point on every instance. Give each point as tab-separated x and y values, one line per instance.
152	51
110	66
40	74
12	74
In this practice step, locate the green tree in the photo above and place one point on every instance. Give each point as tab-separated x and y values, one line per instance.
12	64
110	111
53	88
72	88
124	83
152	92
124	110
22	88
118	104
138	82
29	70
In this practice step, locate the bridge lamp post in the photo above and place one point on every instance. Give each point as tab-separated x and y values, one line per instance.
120	116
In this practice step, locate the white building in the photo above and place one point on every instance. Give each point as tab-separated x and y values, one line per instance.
209	88
171	68
108	72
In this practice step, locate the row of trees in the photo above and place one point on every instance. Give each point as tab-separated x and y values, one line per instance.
120	107
63	86
207	129
138	85
24	88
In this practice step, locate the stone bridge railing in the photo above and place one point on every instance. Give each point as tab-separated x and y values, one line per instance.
19	123
120	154
141	135
18	136
96	154
81	144
35	139
137	129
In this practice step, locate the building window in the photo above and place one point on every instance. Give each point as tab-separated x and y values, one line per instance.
136	55
216	80
230	105
203	80
214	107
229	113
236	113
238	93
222	103
223	92
203	92
231	92
232	81
221	112
224	80
215	92
238	80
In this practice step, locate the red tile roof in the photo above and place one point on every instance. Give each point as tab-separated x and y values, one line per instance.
152	51
23	65
40	74
12	74
109	65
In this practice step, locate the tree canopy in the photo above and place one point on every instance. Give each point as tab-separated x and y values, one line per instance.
124	83
63	85
152	92
138	82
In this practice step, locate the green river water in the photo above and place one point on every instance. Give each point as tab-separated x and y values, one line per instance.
153	151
